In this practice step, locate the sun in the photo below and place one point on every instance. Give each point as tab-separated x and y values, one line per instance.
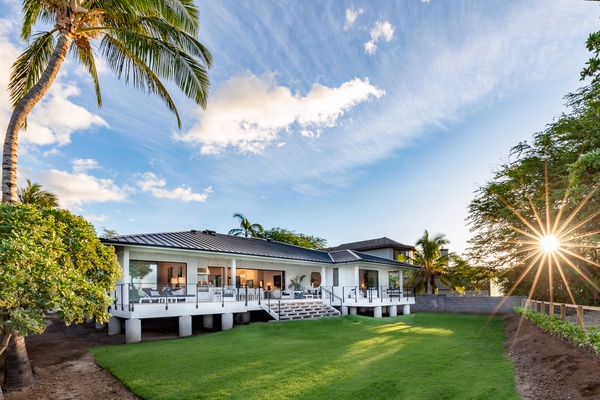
549	240
549	244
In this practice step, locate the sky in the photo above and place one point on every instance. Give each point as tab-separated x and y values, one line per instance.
347	120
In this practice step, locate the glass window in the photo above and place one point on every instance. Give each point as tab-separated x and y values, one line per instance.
336	277
143	273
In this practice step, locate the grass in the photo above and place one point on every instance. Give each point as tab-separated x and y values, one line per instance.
419	356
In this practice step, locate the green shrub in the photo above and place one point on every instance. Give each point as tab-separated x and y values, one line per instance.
575	334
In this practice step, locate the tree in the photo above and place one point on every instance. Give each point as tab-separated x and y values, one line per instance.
106	233
145	42
246	228
549	188
434	265
33	194
50	259
297	239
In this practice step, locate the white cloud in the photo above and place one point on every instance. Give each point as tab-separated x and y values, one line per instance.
8	53
96	218
82	165
55	117
381	30
351	15
154	185
75	189
249	112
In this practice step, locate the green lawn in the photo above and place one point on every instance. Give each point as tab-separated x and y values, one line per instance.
419	356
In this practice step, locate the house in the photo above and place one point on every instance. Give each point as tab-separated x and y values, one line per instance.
214	277
381	247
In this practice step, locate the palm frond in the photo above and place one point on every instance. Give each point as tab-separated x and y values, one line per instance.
125	63
157	27
29	66
84	53
169	62
34	10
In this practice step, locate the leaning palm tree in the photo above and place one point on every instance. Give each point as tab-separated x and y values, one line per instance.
246	228
33	194
434	265
143	42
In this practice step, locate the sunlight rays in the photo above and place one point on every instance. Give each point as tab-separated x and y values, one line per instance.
548	242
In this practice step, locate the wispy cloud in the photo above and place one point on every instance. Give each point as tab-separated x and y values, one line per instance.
249	112
351	15
381	31
151	183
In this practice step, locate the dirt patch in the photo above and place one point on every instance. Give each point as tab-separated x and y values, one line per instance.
64	370
546	367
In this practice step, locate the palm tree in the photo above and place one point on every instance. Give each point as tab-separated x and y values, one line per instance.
33	194
434	265
143	42
246	228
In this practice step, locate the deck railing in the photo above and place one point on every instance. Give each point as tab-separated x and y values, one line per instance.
376	293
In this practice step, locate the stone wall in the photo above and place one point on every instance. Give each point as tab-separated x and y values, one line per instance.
465	304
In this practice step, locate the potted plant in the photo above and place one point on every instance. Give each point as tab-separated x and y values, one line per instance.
296	284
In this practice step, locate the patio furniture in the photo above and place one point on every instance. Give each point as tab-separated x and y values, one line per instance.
153	294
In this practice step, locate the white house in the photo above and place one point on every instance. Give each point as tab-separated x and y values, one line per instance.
216	277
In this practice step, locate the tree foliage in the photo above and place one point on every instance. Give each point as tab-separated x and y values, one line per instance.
33	194
549	184
51	259
435	265
297	239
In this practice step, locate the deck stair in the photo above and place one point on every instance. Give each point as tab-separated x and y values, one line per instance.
292	310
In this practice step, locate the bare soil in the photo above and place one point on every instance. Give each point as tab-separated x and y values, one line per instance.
546	367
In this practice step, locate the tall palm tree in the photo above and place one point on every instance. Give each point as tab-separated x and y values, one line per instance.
33	194
143	42
246	228
434	265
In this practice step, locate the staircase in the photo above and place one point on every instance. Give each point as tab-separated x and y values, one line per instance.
292	310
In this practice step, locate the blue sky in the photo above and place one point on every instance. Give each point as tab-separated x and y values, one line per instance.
344	120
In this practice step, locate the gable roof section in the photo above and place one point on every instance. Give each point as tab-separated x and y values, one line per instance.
372	244
210	241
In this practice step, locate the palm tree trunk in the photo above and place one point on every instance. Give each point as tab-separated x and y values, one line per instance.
22	109
17	368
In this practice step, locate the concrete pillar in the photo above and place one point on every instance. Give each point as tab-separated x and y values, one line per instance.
114	325
406	309
185	326
393	311
377	312
226	321
352	310
207	321
133	330
246	317
344	310
233	271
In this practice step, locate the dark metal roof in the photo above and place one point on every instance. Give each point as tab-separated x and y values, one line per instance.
372	244
210	241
